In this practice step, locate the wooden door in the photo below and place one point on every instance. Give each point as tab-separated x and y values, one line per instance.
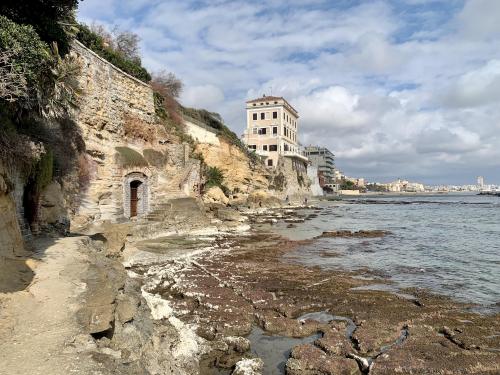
133	201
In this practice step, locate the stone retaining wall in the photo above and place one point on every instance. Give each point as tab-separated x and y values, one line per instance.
109	94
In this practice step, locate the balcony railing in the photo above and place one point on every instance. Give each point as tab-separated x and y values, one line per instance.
295	154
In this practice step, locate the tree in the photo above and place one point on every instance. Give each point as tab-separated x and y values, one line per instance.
167	84
100	30
127	43
99	40
53	20
347	185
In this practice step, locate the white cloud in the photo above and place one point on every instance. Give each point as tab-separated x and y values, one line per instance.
204	96
476	88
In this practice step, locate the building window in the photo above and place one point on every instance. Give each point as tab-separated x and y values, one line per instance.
284	116
264	147
252	147
263	131
269	162
273	147
275	130
255	130
254	116
263	116
275	114
285	147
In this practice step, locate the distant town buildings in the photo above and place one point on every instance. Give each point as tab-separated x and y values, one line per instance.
324	160
480	182
272	129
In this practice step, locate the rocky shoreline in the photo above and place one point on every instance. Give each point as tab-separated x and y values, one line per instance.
235	284
222	299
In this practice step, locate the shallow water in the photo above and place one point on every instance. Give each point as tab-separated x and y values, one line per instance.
449	244
275	350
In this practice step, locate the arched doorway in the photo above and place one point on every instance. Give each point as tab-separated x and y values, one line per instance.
136	195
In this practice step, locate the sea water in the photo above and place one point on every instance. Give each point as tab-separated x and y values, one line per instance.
448	244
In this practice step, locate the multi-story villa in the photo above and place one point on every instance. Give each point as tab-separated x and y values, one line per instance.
323	159
272	129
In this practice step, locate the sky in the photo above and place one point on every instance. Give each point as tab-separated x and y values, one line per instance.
394	88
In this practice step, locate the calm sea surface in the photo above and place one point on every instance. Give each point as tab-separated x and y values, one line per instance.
449	244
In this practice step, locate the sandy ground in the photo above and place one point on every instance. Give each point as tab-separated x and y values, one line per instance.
38	325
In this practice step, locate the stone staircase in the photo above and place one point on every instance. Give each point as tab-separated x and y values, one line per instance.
176	214
162	208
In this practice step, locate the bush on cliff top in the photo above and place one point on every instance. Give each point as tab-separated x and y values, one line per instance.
97	44
51	19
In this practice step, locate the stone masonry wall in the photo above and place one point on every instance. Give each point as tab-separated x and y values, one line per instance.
111	101
109	94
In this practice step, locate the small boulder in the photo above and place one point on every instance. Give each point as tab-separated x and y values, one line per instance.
228	214
252	366
215	195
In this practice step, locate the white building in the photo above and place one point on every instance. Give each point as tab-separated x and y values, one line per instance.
272	129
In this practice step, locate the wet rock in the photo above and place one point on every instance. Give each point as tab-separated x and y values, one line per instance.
273	322
252	366
238	344
308	360
452	336
334	342
358	234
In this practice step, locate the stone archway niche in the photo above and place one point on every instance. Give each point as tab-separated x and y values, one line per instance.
135	195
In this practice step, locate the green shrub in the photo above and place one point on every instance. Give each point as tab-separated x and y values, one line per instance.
29	55
130	158
44	171
215	177
51	19
95	42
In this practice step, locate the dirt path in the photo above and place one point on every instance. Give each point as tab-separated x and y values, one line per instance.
37	325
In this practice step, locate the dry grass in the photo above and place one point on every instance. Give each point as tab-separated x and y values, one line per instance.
135	128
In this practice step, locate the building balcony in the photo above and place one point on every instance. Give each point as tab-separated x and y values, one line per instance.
296	155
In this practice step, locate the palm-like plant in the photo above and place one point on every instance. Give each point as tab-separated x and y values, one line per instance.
59	94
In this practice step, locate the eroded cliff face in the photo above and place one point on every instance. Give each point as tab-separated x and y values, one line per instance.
240	173
11	242
15	273
245	177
